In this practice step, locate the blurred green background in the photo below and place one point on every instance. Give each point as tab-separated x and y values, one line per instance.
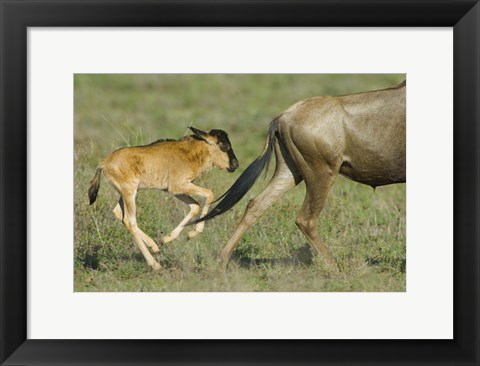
364	229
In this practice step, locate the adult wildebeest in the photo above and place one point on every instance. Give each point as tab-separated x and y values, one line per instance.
361	136
170	165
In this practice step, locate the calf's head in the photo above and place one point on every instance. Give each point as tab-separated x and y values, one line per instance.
224	157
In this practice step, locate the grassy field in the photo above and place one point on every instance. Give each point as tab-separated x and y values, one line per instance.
364	229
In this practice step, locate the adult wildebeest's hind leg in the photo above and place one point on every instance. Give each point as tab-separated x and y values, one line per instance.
284	178
118	211
130	221
189	190
318	185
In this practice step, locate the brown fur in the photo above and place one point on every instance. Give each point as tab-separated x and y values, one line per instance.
361	136
169	165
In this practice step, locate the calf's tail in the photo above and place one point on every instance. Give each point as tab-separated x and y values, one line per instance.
94	186
246	180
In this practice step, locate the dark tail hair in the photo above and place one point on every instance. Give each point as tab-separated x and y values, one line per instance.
95	186
246	180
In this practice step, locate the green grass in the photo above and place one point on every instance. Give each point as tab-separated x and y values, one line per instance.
364	229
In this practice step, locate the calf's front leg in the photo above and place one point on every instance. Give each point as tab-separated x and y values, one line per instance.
208	195
194	210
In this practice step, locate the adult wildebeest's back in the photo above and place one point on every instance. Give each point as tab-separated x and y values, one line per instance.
365	132
361	136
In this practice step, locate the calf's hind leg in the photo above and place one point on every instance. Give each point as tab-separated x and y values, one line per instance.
119	213
130	221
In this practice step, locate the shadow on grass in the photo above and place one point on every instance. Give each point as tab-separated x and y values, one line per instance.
90	261
302	257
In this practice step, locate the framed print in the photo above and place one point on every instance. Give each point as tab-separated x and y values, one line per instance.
82	79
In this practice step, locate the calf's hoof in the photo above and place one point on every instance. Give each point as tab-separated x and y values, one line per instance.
193	233
156	266
167	239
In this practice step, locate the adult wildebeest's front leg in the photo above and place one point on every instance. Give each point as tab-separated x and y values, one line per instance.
189	190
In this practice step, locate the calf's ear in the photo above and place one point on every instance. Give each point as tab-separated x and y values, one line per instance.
198	132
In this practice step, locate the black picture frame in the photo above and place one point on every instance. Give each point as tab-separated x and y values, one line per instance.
17	15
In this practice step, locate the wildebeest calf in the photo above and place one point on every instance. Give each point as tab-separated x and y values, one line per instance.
169	165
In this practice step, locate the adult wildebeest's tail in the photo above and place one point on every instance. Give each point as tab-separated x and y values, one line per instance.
246	180
94	186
